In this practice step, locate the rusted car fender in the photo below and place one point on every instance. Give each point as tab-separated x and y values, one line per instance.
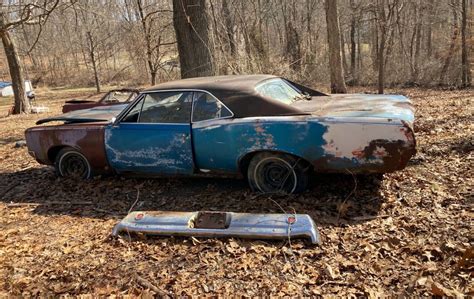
45	142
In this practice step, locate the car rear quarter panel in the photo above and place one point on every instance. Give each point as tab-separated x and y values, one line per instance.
366	145
86	138
330	145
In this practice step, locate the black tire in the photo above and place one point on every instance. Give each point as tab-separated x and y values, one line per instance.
70	163
275	172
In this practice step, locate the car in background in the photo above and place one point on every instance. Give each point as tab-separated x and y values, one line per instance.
113	97
268	129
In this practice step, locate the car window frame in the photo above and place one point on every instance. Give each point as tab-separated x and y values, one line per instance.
266	81
129	108
165	91
142	95
222	117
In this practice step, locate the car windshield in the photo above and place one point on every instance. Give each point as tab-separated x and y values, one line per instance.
280	90
119	96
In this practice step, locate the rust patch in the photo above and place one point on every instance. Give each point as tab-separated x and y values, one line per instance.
393	154
86	138
212	220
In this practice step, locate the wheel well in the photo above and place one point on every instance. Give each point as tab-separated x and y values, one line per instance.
54	151
244	162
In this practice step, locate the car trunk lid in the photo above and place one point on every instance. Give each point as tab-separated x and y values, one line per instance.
359	105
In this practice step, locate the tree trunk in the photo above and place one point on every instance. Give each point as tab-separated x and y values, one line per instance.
308	25
429	35
93	60
343	52
22	104
374	49
359	56
465	67
256	40
416	58
229	25
452	47
293	49
153	77
191	23
334	43
415	45
147	36
353	46
381	64
381	47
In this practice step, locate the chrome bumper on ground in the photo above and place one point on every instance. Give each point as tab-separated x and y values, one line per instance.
220	224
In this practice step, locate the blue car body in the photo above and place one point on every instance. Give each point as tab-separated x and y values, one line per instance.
338	133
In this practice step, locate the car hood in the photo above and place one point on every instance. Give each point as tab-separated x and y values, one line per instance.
102	113
360	105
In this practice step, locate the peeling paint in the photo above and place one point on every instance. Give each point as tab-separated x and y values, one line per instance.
332	144
343	139
87	138
360	144
150	148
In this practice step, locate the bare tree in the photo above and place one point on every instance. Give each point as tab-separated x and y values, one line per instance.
191	23
154	23
384	11
353	41
334	42
21	14
103	42
229	26
98	39
465	67
452	45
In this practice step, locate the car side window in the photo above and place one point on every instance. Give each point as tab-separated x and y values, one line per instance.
207	107
132	116
166	107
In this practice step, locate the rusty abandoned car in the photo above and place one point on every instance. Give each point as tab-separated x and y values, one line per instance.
112	97
269	129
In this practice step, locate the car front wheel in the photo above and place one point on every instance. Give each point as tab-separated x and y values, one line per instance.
70	163
275	173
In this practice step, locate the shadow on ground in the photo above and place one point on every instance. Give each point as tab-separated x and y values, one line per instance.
332	199
8	140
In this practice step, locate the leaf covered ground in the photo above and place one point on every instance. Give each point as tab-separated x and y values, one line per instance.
408	234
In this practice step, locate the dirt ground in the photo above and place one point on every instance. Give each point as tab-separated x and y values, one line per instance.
409	234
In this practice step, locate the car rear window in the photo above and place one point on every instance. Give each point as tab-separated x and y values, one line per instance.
279	90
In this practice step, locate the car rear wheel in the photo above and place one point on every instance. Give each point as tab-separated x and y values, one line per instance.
70	163
275	172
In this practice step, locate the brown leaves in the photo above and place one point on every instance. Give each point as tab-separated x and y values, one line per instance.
408	235
466	262
333	274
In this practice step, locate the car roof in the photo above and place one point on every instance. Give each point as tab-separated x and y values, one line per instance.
237	92
230	82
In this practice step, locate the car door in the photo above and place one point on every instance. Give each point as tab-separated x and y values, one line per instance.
215	149
153	136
